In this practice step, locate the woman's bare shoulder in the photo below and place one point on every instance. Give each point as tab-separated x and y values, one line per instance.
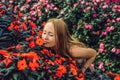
79	52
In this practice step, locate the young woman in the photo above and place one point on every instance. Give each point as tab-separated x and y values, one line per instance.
57	37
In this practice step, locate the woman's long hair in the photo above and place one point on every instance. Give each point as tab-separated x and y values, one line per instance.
63	38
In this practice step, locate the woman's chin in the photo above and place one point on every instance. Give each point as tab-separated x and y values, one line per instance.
47	46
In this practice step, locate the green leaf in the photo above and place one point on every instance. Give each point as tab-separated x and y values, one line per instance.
51	78
53	58
42	75
30	78
9	70
15	76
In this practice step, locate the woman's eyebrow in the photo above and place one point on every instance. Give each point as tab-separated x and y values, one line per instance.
48	32
51	32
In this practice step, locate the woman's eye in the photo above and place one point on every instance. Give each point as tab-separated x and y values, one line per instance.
44	33
51	35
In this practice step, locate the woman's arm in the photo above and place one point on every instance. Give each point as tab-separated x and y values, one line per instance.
86	53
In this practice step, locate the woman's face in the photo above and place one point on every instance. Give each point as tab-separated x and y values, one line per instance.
49	35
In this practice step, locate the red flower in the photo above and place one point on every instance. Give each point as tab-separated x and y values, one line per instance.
45	51
19	47
110	73
58	61
33	65
4	53
73	69
8	61
59	74
33	55
11	27
33	25
31	44
39	41
117	77
30	38
24	26
17	28
22	64
30	55
60	71
20	14
40	32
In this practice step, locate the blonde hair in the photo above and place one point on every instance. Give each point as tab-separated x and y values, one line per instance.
63	38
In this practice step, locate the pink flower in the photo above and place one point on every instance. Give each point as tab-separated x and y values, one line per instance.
87	3
116	8
32	12
98	0
88	8
75	4
110	28
22	8
118	51
104	15
33	18
3	1
42	1
104	33
114	0
92	67
39	14
11	1
113	20
113	50
103	69
49	6
108	20
108	1
105	6
101	50
82	2
100	76
46	10
88	26
95	4
101	46
95	15
61	12
55	8
118	19
101	66
24	17
84	10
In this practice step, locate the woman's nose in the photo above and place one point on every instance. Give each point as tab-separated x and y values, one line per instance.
45	37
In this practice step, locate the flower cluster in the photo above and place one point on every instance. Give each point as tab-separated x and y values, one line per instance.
37	64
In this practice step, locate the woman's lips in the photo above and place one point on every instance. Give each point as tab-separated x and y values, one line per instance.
46	42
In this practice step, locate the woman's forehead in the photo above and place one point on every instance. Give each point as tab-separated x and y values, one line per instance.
49	27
